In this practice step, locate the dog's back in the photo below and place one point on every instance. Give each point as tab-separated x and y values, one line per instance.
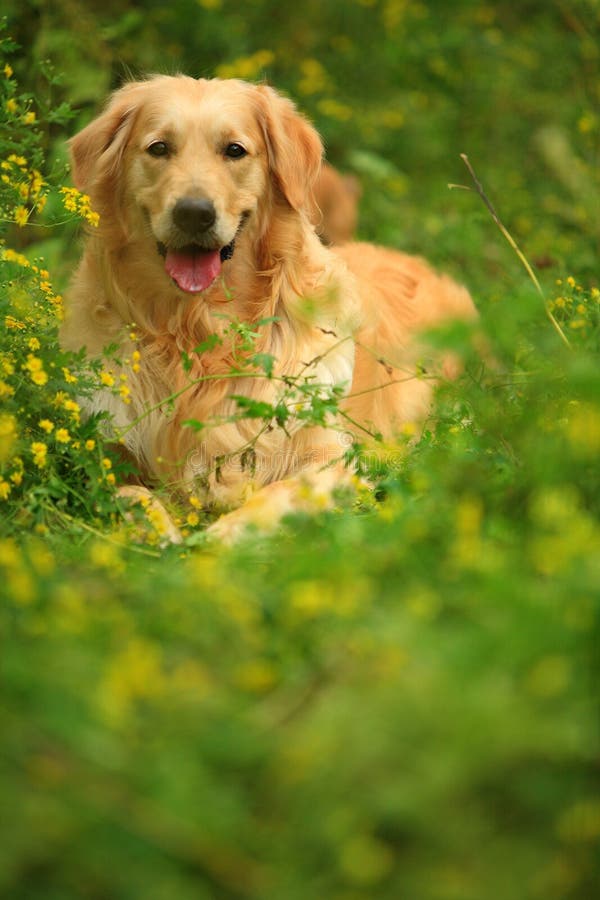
401	296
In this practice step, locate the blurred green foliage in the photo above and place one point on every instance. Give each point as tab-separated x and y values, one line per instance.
398	700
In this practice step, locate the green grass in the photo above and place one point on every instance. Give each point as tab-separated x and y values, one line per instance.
395	699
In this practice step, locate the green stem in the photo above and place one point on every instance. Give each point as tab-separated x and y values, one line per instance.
507	235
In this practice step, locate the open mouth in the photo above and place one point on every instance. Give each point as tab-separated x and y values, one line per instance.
194	268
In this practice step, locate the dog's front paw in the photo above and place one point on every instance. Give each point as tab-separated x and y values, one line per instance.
155	512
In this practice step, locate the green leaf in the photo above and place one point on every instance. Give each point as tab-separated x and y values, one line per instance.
264	361
212	341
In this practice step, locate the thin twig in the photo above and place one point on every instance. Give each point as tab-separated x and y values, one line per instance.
507	235
105	537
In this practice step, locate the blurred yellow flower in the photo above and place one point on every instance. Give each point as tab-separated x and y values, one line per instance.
21	216
246	66
8	435
39	378
39	451
314	77
335	110
70	379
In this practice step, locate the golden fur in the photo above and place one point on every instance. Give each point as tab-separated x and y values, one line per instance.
348	317
334	207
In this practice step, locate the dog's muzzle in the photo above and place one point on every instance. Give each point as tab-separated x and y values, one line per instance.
194	267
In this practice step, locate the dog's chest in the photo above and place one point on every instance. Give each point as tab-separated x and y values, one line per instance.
201	417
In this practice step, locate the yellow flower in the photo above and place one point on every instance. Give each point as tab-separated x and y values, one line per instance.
76	202
33	343
21	216
111	478
18	258
90	444
70	379
11	322
107	463
7	71
314	77
192	518
335	110
246	66
107	379
5	489
39	451
29	118
39	378
11	106
5	390
8	435
72	407
47	425
63	436
34	363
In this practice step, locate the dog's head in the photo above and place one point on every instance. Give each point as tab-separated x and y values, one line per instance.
188	163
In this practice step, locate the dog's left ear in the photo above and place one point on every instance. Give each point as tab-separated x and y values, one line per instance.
294	147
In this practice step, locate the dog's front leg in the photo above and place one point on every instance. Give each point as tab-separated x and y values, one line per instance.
308	491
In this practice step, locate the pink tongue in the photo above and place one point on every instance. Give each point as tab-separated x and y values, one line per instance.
193	270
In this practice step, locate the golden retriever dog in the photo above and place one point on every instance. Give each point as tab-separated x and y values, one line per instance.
204	190
334	207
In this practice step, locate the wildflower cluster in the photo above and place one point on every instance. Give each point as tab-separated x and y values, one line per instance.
49	453
576	307
28	189
76	202
51	458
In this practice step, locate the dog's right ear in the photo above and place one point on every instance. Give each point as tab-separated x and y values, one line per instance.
294	148
98	148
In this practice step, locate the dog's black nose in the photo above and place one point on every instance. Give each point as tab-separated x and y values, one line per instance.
194	216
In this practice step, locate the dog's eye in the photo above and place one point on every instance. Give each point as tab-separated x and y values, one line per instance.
235	151
158	148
